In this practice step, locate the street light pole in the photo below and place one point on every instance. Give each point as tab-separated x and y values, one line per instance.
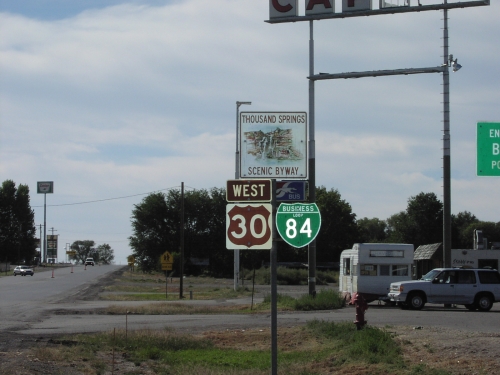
311	279
237	176
446	147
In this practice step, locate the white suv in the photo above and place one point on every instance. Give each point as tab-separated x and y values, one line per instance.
474	288
89	261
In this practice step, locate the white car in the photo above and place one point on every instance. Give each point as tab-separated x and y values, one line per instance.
89	262
23	271
477	289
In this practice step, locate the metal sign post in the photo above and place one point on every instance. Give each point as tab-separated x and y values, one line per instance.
167	262
45	187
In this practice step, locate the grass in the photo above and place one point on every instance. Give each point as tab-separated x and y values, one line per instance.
290	276
317	348
324	300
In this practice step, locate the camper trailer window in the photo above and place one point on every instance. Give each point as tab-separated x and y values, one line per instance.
385	270
398	270
387	253
347	266
368	270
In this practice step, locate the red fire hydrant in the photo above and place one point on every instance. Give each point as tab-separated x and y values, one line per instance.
361	306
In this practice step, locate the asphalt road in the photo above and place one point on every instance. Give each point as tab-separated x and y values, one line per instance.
43	304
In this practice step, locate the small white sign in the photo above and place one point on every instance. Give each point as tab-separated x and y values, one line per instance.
45	187
273	145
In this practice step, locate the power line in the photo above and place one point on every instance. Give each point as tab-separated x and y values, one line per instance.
109	199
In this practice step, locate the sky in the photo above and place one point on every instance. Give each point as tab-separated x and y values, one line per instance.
115	99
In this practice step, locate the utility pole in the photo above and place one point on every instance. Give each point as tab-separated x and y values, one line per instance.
181	281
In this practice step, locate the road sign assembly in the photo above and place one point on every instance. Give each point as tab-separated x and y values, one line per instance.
248	190
298	223
273	145
290	191
488	149
248	226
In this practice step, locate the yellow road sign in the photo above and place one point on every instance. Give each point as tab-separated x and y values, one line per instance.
166	266
166	258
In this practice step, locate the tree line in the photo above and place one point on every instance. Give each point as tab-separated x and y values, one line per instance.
18	241
156	229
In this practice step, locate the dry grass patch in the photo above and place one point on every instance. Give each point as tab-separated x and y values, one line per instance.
175	309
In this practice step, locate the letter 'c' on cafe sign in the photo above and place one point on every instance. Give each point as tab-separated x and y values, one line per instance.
283	8
289	8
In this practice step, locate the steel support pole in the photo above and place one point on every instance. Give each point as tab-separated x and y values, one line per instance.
274	286
446	147
44	227
236	264
312	163
181	266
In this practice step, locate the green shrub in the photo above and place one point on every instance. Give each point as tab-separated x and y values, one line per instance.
289	276
324	300
371	344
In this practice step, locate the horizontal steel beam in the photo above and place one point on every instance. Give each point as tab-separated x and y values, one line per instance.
377	12
377	73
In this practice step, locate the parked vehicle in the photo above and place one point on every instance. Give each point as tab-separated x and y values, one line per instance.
23	271
474	288
369	268
89	262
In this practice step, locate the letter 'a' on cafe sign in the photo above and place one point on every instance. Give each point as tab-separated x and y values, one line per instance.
273	145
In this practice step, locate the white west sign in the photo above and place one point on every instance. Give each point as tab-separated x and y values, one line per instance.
273	145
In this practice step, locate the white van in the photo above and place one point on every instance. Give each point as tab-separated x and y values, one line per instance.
370	268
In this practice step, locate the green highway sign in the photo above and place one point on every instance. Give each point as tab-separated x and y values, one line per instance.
298	223
488	148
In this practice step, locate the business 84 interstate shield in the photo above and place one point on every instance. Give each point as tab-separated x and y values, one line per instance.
248	226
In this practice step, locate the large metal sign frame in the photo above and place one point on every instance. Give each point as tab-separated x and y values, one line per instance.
287	8
370	12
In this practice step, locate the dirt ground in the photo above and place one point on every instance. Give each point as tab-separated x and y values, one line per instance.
458	352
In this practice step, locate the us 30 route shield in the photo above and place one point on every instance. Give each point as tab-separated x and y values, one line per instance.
248	226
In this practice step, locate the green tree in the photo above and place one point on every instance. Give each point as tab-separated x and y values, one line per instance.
339	230
17	225
84	249
420	224
372	230
156	228
104	254
459	224
491	231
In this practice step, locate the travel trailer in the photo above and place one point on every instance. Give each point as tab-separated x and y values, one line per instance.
370	268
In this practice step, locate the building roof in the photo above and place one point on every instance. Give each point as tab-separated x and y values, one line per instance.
431	251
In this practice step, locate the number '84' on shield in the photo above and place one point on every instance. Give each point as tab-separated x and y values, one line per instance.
298	224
